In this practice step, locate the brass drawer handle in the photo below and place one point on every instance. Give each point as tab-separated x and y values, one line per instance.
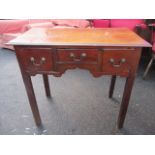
112	61
72	55
42	61
83	55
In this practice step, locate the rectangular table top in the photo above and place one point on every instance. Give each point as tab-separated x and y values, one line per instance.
80	37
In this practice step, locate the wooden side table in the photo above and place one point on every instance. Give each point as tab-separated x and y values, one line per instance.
109	51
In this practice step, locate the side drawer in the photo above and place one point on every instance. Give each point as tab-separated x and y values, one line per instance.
36	59
119	62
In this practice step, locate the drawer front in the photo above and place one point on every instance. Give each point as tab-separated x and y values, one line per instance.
74	56
118	62
82	58
36	59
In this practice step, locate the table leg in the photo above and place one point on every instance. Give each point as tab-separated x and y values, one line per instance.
31	97
46	85
112	86
125	101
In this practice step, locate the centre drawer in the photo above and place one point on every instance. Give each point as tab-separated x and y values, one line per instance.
75	56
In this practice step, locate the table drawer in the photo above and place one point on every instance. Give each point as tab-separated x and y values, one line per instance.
89	59
36	59
118	62
76	56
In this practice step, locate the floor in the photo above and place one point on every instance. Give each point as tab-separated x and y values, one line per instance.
79	104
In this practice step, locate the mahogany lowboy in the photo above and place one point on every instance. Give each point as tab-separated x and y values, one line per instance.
113	52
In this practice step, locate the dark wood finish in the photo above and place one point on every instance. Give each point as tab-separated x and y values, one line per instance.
128	89
37	53
113	52
29	90
74	56
85	58
117	55
31	97
46	85
112	86
125	101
